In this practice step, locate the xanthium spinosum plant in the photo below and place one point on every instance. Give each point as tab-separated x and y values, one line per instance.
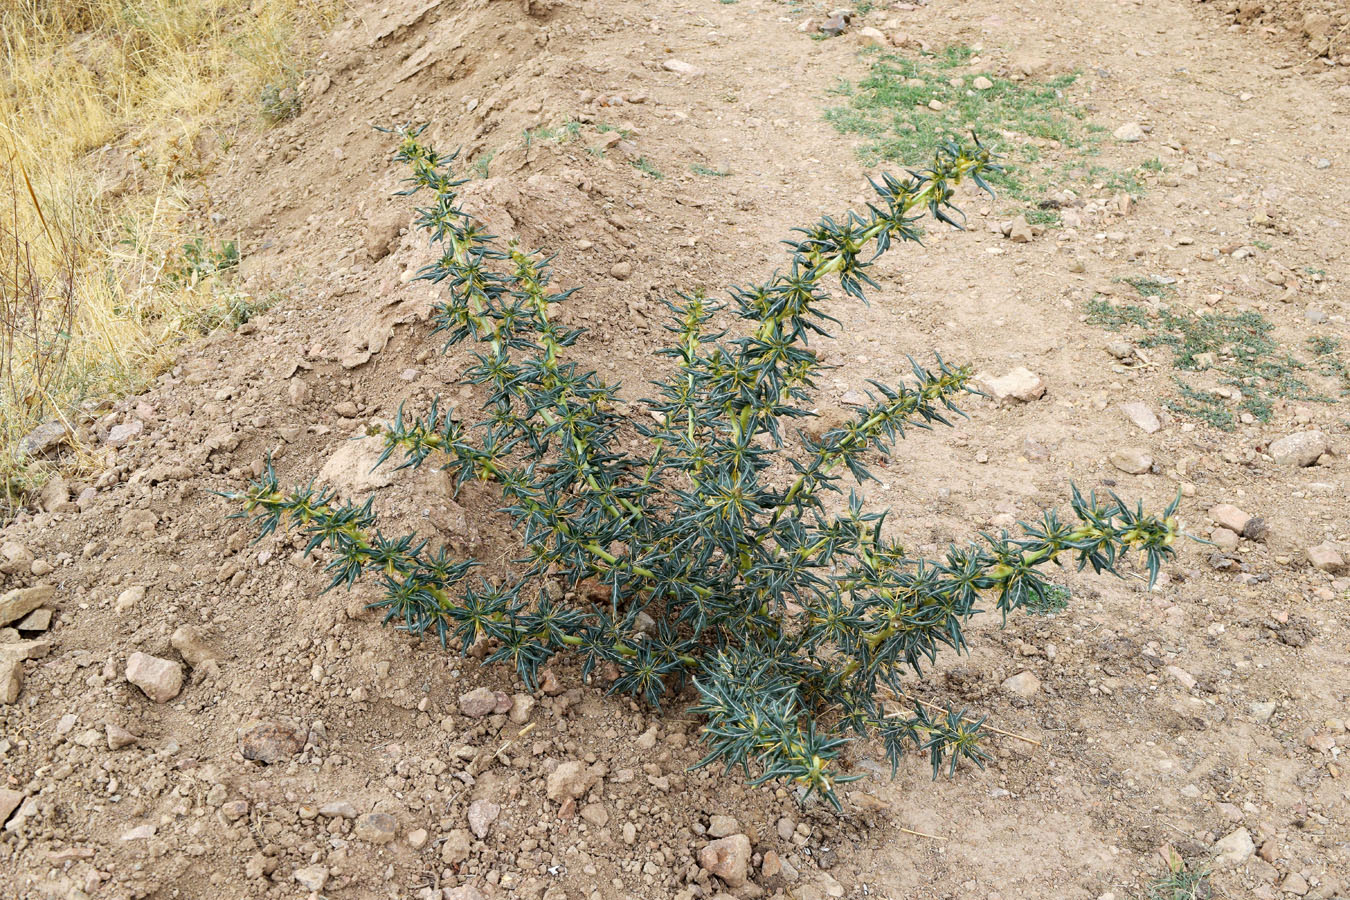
790	616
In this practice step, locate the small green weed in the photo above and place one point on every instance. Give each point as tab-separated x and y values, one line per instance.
1237	346
197	261
1327	357
280	101
480	165
1055	598
891	108
711	173
1149	286
644	165
232	310
1181	882
560	134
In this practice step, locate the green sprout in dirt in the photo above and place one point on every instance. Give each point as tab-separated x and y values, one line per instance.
1182	882
1238	347
197	260
708	171
280	101
713	554
645	166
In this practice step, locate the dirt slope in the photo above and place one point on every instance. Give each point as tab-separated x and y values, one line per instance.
1208	714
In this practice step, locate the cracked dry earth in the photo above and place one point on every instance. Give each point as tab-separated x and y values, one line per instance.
308	751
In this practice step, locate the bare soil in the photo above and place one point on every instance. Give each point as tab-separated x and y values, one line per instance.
1210	708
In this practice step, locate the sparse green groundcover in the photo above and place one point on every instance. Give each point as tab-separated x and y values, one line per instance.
1182	881
1238	347
695	548
906	105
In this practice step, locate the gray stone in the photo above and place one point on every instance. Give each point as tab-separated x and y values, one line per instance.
1020	385
728	858
723	826
1234	849
456	847
1229	516
1023	684
21	601
311	878
376	828
1129	133
1300	449
1142	416
572	780
1326	558
482	813
1132	460
44	439
159	679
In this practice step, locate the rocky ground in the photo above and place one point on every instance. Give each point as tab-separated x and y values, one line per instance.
185	714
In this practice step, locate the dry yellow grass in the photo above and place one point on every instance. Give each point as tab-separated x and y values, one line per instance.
108	111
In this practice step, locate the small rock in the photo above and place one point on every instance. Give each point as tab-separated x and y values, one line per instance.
728	858
271	742
596	814
456	847
234	810
1326	558
376	828
417	838
981	83
21	601
1182	677
1224	539
118	737
130	597
463	892
36	621
1121	349
1021	385
680	67
9	801
570	781
1230	517
1234	849
189	643
159	679
353	468
482	813
1023	684
1132	460
872	37
139	833
834	25
1295	884
121	435
481	702
1256	529
11	678
1142	416
44	439
339	809
382	235
1263	710
311	878
1298	450
723	826
1019	231
521	707
1129	133
621	270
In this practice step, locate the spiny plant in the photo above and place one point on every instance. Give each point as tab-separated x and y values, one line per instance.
711	557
